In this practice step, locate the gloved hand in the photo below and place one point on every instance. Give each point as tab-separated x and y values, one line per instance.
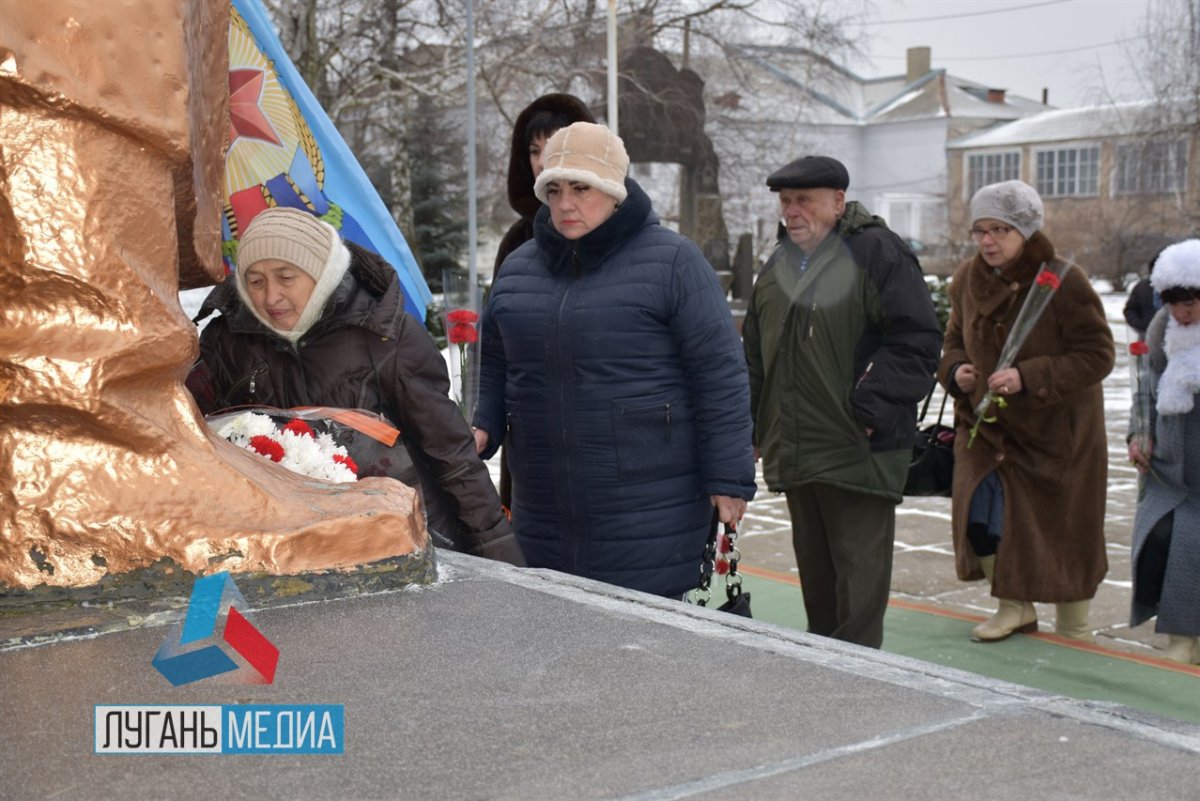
504	548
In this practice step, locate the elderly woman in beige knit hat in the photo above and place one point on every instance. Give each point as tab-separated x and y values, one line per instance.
612	370
1028	496
310	320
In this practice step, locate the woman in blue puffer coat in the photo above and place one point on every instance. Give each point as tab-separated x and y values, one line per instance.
611	364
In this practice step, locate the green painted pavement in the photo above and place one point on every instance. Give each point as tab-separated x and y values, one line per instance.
1030	661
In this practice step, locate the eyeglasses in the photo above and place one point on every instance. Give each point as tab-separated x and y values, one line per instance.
994	231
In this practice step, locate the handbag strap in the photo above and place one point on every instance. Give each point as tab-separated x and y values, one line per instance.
733	581
928	400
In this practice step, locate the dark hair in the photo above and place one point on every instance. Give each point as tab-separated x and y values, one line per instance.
544	123
1179	294
1154	260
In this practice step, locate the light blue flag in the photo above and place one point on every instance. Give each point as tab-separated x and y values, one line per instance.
284	151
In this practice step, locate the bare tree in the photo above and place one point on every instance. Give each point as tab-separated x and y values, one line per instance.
1168	65
1154	198
368	61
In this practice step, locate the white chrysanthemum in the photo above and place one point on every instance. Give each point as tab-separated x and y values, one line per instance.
241	429
302	453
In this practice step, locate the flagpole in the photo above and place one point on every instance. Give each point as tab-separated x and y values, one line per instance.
472	222
612	65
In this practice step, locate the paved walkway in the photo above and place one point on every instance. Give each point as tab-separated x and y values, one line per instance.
932	612
1044	660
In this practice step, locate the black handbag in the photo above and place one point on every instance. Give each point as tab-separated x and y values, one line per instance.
737	602
931	470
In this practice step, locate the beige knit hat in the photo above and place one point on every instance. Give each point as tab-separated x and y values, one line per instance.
299	238
588	153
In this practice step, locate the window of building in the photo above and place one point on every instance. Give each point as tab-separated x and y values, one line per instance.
1151	167
1068	171
991	168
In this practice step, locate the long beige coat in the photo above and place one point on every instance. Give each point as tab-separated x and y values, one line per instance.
1048	446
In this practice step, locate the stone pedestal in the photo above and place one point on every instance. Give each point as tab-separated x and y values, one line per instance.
502	683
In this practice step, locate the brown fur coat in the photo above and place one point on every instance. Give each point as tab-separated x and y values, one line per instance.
1049	446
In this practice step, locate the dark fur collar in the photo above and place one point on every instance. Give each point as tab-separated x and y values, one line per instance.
587	252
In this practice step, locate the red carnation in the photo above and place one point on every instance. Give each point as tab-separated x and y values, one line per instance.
268	447
300	428
1139	348
346	460
462	316
462	333
1048	280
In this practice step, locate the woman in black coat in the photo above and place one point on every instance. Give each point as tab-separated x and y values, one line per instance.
536	123
534	126
308	320
1143	302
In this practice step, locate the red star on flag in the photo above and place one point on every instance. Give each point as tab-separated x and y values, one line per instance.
245	114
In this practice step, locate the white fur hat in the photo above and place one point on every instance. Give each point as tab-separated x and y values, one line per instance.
1178	265
588	153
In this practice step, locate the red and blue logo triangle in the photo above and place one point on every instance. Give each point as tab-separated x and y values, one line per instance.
215	639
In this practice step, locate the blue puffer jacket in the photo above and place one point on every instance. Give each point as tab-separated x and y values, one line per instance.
612	365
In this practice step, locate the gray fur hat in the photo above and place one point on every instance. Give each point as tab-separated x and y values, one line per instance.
1013	202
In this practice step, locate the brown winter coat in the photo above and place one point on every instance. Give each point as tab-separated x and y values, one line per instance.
1049	446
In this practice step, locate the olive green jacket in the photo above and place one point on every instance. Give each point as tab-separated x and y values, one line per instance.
848	344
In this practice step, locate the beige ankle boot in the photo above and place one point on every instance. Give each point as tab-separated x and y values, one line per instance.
1013	617
1072	621
1181	649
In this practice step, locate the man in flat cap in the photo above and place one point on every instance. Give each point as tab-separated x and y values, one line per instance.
841	340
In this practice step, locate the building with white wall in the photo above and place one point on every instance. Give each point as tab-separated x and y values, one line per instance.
892	132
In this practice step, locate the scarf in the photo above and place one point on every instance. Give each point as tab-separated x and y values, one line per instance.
1181	380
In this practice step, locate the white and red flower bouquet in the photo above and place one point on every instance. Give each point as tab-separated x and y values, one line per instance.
337	445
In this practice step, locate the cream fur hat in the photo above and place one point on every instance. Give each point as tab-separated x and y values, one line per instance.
588	153
1013	202
299	238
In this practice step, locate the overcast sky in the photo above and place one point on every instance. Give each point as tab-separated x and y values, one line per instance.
1074	48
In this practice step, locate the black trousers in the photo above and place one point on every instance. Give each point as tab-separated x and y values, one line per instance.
843	541
1151	567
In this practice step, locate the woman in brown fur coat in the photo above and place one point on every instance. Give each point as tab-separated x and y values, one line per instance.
1028	502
